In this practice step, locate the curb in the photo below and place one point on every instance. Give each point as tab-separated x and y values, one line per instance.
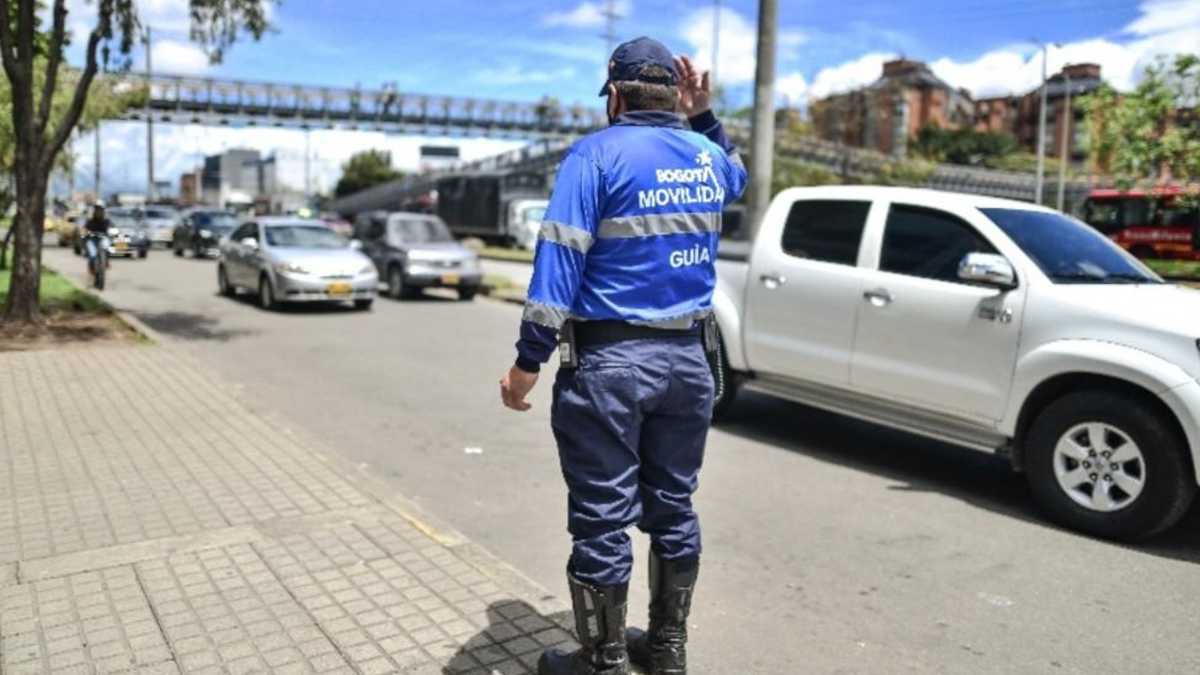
135	324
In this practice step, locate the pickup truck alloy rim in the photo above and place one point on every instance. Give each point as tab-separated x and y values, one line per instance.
1099	467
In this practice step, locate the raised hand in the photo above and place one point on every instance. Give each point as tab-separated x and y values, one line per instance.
695	88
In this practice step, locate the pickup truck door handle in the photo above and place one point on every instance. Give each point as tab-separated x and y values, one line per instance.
772	281
878	297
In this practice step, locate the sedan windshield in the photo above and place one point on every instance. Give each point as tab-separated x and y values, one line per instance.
215	221
426	231
159	214
1068	251
303	236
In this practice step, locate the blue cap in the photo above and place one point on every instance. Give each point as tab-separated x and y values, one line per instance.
631	57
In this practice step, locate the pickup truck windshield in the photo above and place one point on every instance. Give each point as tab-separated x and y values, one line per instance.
1068	251
418	232
303	236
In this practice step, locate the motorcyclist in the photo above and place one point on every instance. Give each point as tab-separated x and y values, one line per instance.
96	232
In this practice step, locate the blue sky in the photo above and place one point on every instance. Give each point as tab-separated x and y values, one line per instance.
524	49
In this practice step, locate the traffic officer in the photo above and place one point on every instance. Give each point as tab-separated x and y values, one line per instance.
622	285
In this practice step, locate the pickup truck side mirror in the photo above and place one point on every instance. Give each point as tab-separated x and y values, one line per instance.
250	242
988	269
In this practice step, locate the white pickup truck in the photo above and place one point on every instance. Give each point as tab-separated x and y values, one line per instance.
987	323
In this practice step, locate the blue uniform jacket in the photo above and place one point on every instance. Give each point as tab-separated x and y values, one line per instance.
632	228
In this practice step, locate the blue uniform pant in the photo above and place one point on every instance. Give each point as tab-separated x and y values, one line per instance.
631	423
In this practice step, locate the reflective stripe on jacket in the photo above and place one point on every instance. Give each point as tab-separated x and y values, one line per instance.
632	228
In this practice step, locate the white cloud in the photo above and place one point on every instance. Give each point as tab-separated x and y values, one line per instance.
178	58
737	40
1164	27
792	89
587	14
515	75
849	75
180	148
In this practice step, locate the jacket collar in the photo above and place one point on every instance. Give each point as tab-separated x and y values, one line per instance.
650	118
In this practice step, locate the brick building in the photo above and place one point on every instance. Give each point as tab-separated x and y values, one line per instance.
885	115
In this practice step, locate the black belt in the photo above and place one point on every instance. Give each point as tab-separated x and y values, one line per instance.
592	333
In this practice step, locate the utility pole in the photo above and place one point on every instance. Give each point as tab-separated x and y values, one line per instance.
762	134
716	46
1064	143
1041	139
611	16
307	166
96	167
149	127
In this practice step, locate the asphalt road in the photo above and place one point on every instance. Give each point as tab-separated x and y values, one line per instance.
830	545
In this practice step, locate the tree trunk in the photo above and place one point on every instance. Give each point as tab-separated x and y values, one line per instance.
4	247
26	279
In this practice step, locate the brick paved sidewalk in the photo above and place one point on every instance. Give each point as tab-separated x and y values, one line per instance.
152	522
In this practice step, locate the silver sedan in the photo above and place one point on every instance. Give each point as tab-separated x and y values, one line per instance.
294	260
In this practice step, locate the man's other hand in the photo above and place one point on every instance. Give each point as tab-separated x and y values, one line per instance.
695	88
515	386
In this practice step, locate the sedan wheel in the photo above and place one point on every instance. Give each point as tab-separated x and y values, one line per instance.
223	284
266	294
396	283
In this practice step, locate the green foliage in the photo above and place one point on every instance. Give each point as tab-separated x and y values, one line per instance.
961	146
1133	136
910	173
57	293
788	173
364	170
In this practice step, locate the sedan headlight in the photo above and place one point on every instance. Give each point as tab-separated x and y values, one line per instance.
207	234
290	268
369	268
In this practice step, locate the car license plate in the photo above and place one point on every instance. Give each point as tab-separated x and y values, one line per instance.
120	246
339	288
450	279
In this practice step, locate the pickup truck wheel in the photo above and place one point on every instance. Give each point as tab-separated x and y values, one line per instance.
725	386
1110	465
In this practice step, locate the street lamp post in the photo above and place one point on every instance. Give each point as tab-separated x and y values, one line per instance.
1064	142
1041	140
149	127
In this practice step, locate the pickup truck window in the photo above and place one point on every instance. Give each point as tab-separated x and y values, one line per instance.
1068	251
826	230
928	243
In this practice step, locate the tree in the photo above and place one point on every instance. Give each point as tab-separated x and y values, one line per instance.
364	170
962	146
107	98
1144	134
41	128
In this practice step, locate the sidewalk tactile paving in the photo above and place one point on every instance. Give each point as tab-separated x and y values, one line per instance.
91	622
222	608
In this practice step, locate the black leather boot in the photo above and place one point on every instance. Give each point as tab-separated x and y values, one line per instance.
600	627
662	649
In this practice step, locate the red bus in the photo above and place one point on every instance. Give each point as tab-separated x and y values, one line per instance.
1156	223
